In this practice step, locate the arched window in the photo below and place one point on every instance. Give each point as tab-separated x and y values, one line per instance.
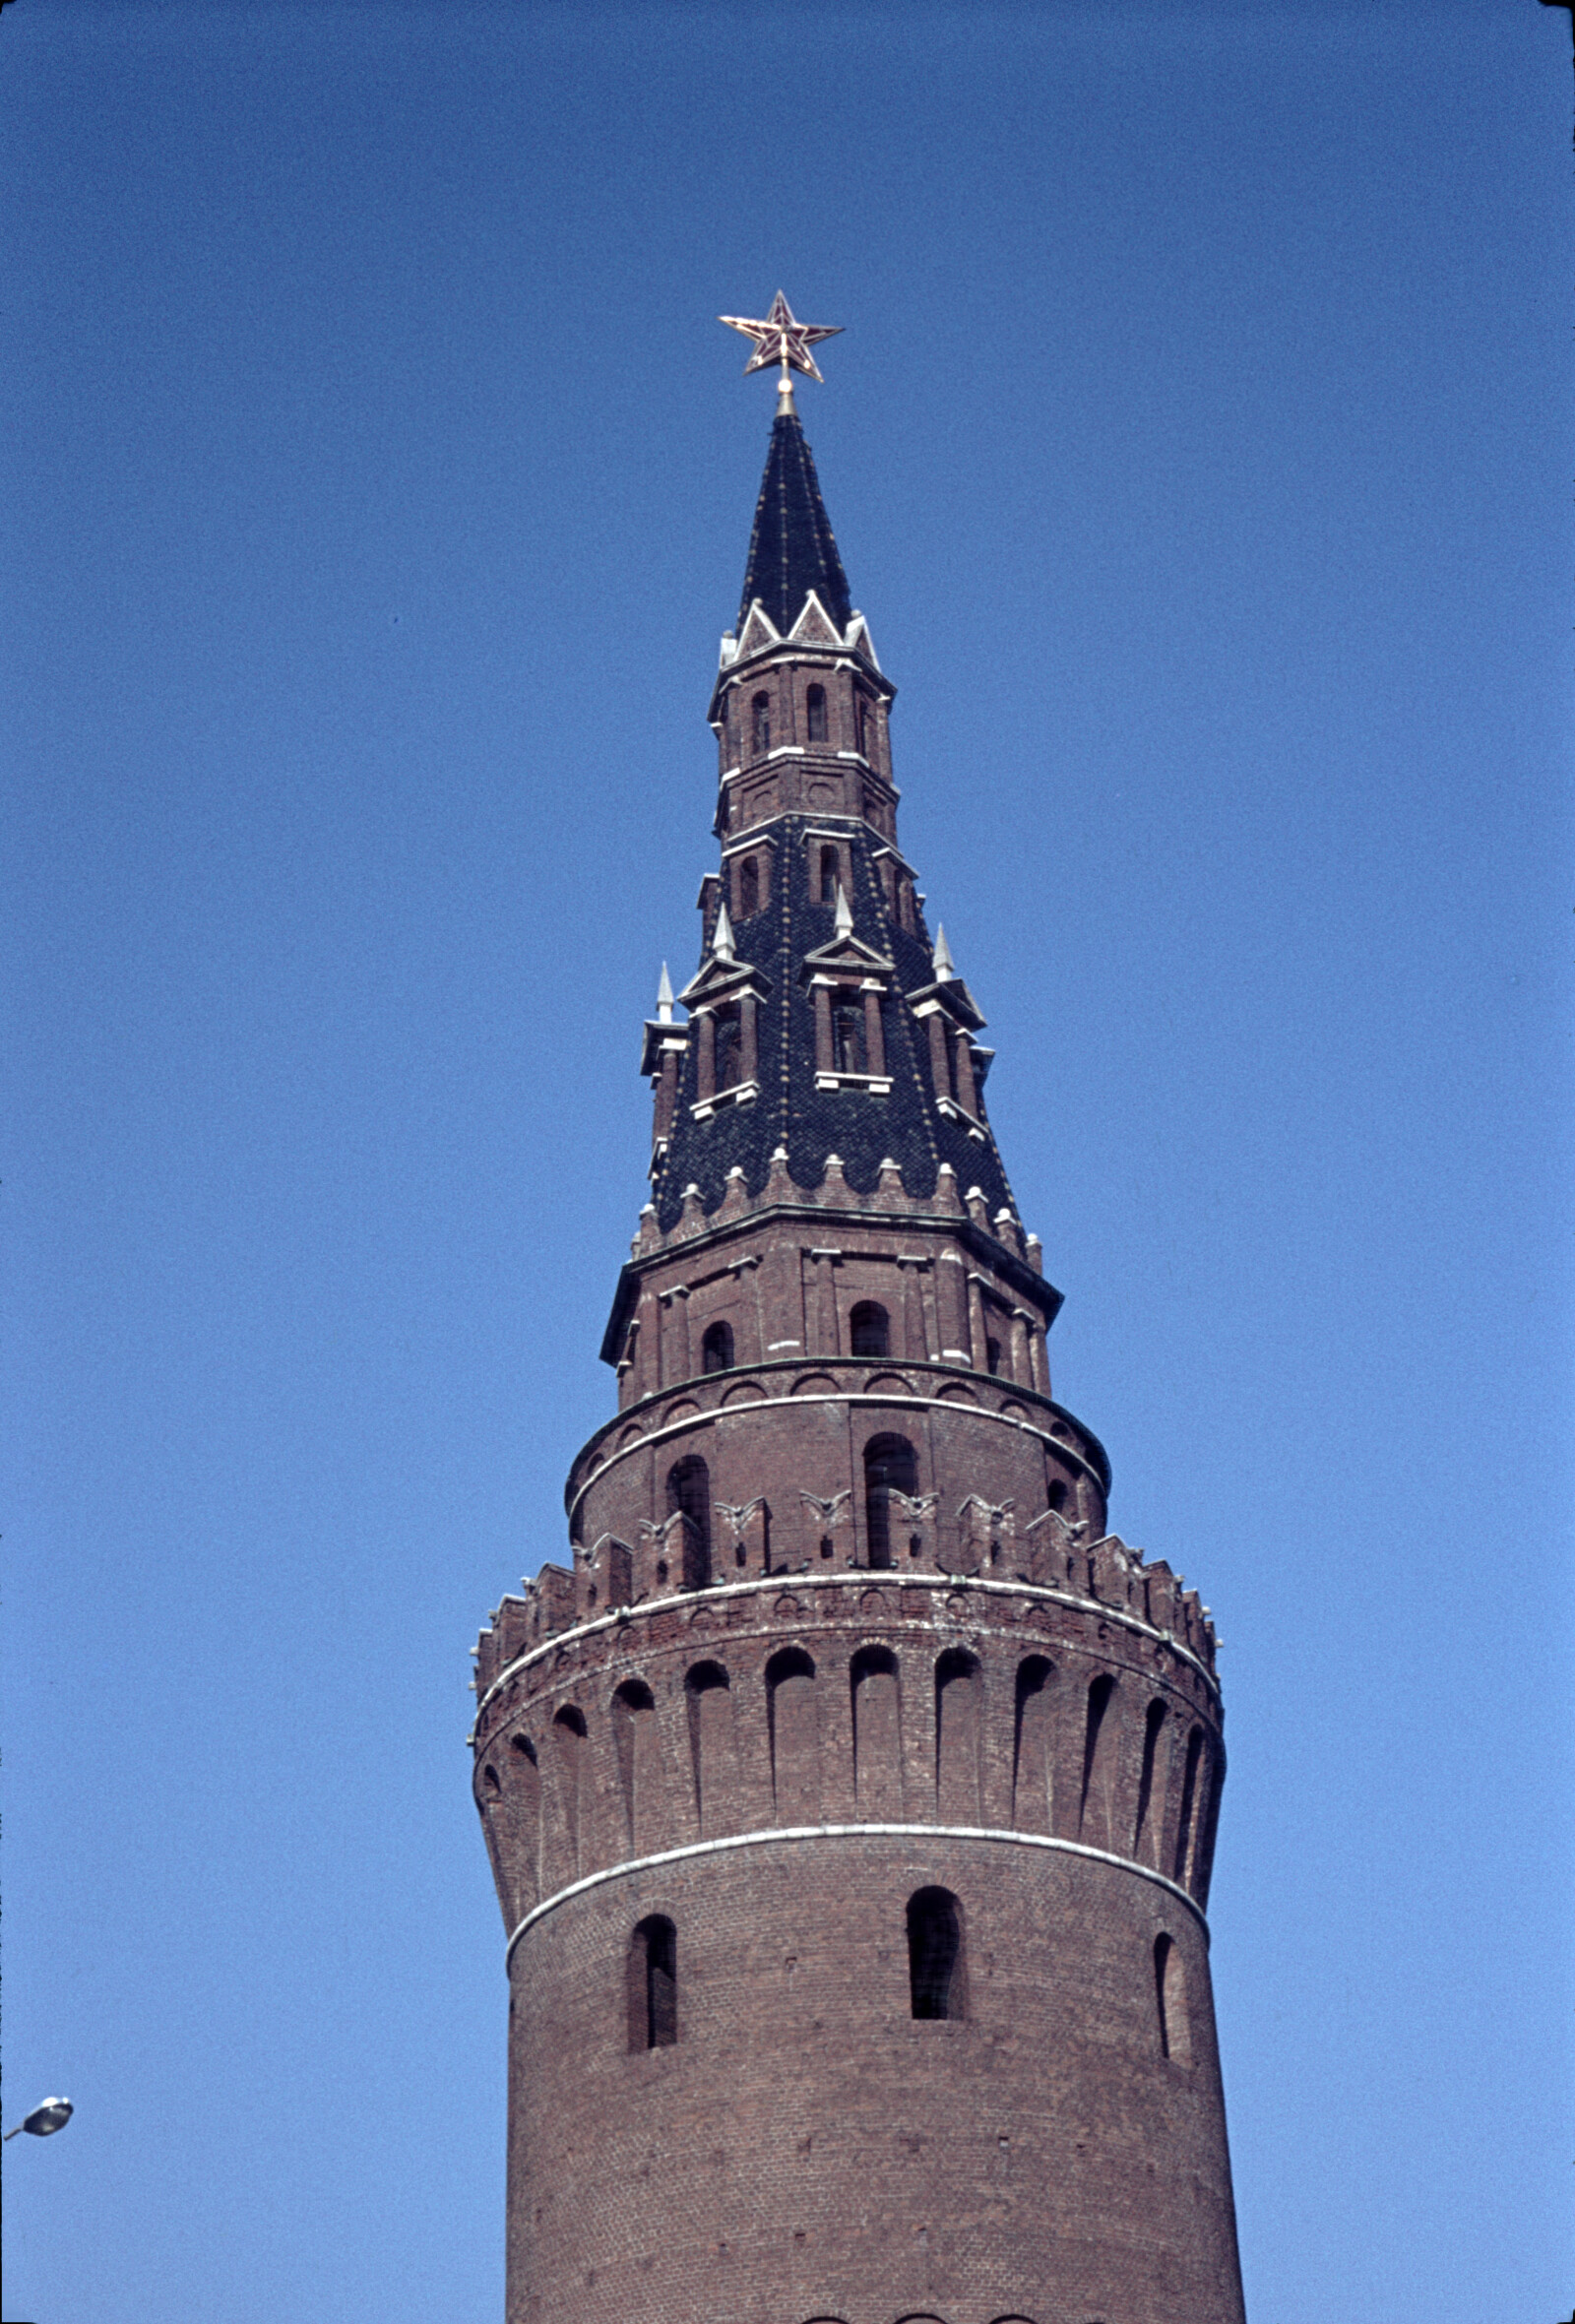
1184	1849
815	705
748	888
793	1729
958	1737
1032	1750
847	1037
728	1054
890	1467
936	1954
1100	1690
633	1734
1152	1726
1171	2001
708	1693
716	1349
877	1732
869	1328
570	1735
828	875
653	1983
689	1494
760	724
1057	1495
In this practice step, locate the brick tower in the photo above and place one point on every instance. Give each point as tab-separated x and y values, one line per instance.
851	1793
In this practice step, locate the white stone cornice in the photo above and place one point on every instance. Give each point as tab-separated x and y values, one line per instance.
787	1835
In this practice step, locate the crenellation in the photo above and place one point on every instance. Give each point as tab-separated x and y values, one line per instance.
843	1639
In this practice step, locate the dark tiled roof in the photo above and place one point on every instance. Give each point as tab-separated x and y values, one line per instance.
791	550
905	1123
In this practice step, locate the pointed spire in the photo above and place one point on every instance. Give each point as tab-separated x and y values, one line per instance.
791	549
664	997
843	925
722	946
945	969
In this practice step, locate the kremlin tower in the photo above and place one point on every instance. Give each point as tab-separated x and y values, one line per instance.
850	1789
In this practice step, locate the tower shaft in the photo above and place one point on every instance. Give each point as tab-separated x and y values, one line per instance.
851	1795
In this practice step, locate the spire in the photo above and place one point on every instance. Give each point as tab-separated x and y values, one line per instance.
664	997
721	944
945	969
791	549
843	925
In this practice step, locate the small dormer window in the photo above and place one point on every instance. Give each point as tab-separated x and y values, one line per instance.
729	1068
815	706
748	888
847	1037
828	875
760	724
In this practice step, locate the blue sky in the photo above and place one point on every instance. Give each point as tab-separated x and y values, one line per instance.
1200	449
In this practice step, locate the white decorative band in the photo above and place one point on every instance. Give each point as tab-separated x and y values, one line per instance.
707	1848
766	1404
856	1576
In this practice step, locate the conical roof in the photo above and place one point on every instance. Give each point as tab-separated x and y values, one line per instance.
793	1108
792	549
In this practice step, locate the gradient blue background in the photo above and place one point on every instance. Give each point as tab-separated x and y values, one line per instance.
1200	447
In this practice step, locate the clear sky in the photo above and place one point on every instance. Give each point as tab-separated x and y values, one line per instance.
1200	447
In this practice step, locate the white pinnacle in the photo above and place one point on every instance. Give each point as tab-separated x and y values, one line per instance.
945	967
721	934
844	924
664	997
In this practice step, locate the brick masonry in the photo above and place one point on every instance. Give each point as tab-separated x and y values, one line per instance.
842	1624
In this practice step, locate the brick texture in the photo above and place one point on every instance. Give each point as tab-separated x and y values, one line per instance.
842	1623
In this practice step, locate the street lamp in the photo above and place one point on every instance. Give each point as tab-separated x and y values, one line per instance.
44	2120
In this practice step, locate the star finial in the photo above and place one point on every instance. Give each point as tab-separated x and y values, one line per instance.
782	338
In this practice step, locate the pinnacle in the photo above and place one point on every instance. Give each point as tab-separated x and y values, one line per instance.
722	943
843	921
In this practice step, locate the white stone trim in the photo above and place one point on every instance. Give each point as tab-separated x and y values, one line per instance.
735	1840
960	1355
856	1577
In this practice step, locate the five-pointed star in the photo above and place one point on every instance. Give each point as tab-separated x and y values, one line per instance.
779	338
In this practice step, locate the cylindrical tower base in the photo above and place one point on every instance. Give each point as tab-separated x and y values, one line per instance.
806	2147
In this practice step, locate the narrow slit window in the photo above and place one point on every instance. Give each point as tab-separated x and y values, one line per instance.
890	1467
1171	2002
760	724
689	1496
935	1953
1100	1690
748	888
1183	1866
654	1985
828	875
815	707
1152	1727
